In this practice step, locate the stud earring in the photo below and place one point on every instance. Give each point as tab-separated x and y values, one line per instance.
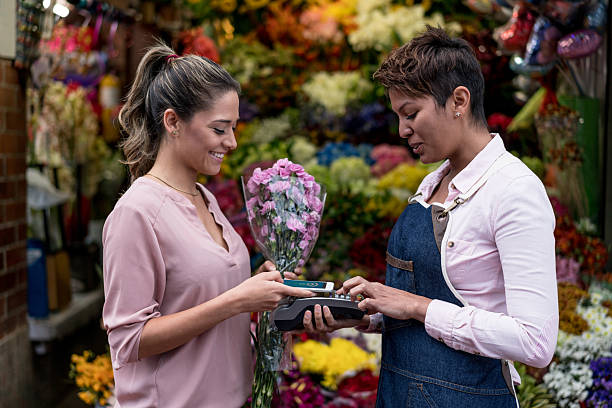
174	133
457	115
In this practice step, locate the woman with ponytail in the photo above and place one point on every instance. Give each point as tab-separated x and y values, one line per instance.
177	278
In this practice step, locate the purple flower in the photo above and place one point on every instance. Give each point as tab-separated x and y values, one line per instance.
567	270
258	177
251	203
279	186
314	217
297	169
280	165
304	244
314	203
294	224
268	206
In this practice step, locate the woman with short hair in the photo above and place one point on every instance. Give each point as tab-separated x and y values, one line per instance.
471	280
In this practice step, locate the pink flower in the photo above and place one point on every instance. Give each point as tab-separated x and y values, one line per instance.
281	164
312	232
264	230
313	217
304	244
297	169
251	203
567	270
276	220
279	186
268	206
314	203
294	224
258	177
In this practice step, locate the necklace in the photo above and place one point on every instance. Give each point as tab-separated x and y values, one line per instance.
177	189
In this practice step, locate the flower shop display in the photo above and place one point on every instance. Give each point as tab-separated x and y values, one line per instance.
305	69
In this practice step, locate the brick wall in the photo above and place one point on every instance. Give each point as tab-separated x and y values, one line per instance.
13	267
14	343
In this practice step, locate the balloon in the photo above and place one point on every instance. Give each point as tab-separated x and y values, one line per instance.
562	12
578	44
596	16
514	34
542	43
481	6
520	66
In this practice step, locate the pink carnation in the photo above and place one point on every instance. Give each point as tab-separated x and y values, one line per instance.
294	224
304	244
314	203
251	203
279	186
258	177
268	206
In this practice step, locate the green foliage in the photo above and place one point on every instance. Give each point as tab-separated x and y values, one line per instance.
530	394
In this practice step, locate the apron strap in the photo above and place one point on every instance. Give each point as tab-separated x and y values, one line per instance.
502	160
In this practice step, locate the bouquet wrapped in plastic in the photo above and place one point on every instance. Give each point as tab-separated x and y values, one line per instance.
284	208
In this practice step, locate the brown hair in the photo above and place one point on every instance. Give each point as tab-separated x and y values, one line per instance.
187	84
435	64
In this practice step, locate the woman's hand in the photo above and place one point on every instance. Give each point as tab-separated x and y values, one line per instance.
390	301
263	292
329	324
269	266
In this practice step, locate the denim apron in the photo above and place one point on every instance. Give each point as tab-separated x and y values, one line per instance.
418	371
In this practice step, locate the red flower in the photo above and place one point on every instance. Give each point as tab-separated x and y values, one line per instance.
196	42
499	121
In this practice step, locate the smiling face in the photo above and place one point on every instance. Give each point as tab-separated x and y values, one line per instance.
209	135
430	130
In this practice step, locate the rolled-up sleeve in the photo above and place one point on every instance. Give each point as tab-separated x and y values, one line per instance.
523	224
134	280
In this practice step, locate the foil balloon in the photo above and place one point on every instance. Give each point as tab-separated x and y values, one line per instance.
519	65
513	36
563	12
481	6
542	44
596	16
578	44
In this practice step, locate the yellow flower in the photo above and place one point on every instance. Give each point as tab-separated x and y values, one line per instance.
255	4
333	361
87	397
226	6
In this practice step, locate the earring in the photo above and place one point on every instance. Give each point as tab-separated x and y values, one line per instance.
457	115
174	133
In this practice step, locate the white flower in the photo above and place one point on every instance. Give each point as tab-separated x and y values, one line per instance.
336	90
569	382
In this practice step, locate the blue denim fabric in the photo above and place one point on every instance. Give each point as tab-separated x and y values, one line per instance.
417	370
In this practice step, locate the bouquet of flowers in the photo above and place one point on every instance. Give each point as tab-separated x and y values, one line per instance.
284	207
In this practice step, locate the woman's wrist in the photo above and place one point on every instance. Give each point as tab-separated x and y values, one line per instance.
233	301
418	308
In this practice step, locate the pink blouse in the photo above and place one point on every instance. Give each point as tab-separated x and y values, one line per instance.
159	259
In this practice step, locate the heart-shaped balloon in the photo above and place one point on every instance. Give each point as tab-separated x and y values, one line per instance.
513	35
578	44
542	43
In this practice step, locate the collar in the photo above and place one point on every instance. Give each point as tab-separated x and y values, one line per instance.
467	177
479	164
